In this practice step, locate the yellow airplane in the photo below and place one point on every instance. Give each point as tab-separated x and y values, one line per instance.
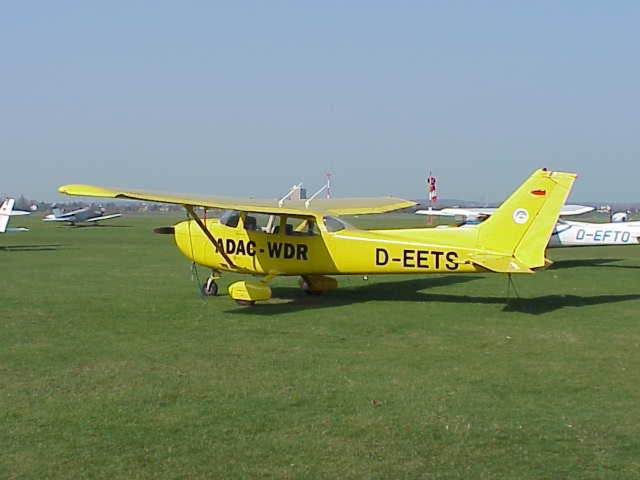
304	238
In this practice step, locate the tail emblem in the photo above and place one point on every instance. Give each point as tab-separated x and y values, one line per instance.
520	216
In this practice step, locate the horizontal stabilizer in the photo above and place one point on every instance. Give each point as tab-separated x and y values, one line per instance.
500	263
437	213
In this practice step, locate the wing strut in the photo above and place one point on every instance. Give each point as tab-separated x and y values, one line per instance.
218	246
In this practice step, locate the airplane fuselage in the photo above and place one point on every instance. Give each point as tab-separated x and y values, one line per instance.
360	252
583	234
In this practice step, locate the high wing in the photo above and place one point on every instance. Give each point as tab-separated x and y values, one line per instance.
333	206
64	215
445	212
568	210
103	217
59	216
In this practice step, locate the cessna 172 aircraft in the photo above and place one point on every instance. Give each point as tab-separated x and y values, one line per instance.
566	233
6	211
82	215
308	240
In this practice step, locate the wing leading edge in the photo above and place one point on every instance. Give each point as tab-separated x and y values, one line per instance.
337	206
103	217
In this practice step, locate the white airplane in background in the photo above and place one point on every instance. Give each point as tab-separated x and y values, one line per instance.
620	217
566	233
6	211
476	215
585	234
82	215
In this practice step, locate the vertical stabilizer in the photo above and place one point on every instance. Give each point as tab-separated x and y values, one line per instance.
521	227
5	213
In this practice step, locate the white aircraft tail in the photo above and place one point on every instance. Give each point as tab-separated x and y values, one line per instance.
5	213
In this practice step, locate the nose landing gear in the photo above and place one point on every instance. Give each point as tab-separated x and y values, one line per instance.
210	288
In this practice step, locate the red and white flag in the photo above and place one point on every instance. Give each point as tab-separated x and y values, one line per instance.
431	188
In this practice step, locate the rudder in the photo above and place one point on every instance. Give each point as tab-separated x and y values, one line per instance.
521	227
5	213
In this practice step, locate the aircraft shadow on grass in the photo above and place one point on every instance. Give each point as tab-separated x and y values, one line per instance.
411	291
591	262
30	248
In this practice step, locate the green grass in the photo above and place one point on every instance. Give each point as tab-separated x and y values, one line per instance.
112	366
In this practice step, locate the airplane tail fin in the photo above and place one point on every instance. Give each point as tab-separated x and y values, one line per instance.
5	213
521	227
57	212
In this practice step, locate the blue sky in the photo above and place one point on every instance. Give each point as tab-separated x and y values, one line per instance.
247	98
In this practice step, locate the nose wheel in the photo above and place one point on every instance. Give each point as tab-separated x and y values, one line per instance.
209	288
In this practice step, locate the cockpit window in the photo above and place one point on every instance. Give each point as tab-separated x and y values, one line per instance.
310	228
260	222
301	227
230	218
333	224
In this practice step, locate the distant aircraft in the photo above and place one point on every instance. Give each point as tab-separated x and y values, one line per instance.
566	233
83	215
6	211
477	215
307	239
620	217
586	234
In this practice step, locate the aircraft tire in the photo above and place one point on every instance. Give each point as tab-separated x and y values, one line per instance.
306	288
209	288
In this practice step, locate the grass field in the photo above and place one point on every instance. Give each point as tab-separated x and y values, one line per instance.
112	366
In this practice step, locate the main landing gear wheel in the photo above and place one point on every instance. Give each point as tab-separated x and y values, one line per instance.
306	287
209	288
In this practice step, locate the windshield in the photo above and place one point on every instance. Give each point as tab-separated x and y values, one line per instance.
332	224
230	218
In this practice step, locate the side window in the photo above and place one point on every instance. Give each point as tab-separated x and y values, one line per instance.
311	228
301	227
230	218
260	222
333	224
250	223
